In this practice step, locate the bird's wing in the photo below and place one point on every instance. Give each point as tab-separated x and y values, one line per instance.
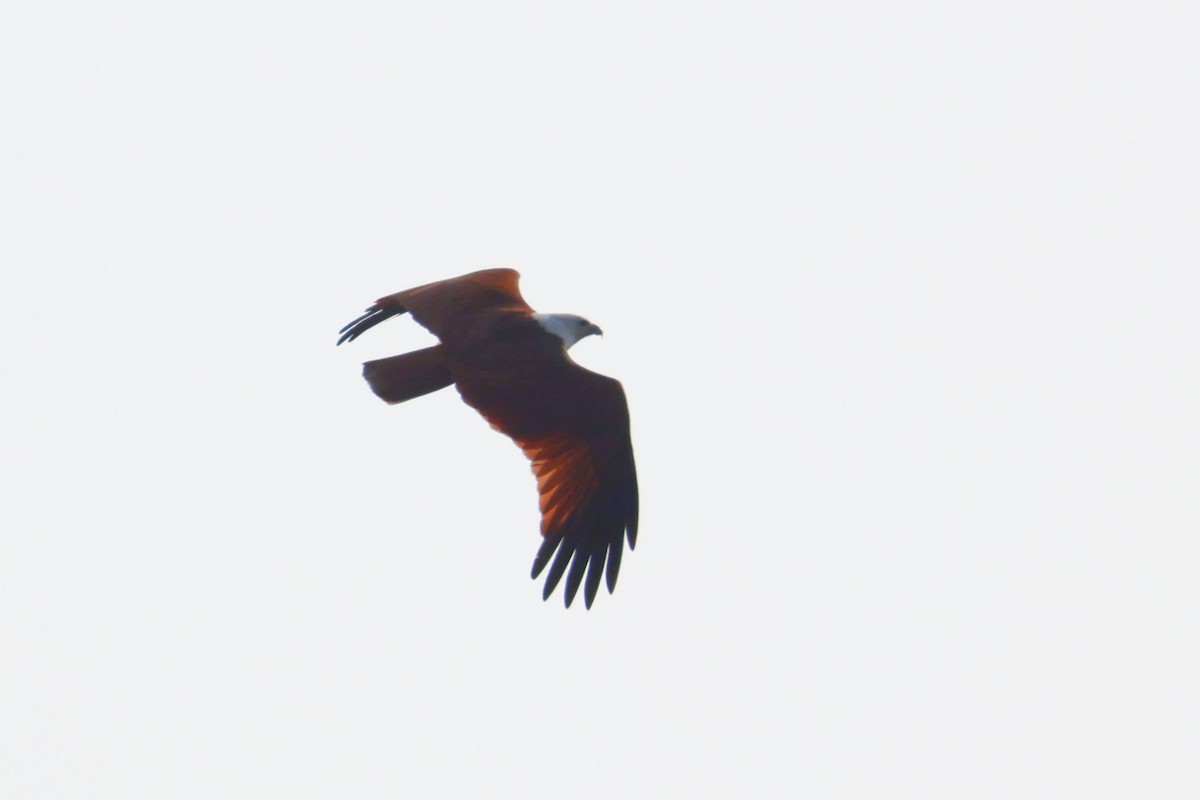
573	425
445	307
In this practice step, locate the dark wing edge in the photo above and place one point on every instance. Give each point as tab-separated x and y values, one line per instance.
377	313
589	541
435	305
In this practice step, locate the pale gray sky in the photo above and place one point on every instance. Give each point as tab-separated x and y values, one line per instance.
904	300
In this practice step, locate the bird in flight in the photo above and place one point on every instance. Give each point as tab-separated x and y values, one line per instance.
510	364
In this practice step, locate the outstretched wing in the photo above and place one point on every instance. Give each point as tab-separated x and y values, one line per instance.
445	307
573	424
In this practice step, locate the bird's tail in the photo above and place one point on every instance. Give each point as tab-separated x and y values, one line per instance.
408	375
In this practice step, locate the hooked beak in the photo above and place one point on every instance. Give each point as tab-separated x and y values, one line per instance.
596	330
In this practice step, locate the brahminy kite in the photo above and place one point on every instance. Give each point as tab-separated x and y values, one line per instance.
511	365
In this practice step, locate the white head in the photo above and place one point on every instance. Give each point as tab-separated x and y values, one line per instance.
568	327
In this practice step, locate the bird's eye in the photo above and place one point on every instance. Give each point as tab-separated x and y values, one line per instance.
583	322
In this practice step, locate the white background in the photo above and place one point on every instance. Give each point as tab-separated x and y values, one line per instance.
904	298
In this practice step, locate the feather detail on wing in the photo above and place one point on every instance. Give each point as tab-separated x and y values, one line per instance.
446	307
581	455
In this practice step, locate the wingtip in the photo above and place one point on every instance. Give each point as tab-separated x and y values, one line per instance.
583	567
349	332
575	575
374	315
613	566
543	557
